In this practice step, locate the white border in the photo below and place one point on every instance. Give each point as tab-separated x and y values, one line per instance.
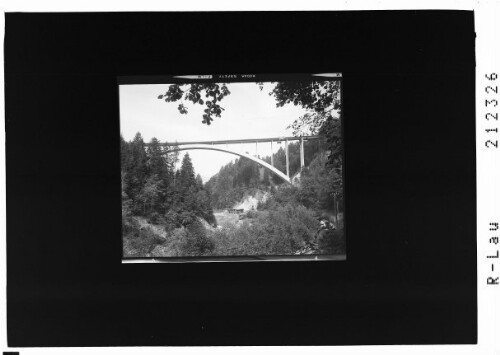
488	164
488	175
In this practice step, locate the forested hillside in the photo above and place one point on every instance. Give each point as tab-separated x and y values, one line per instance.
153	191
244	177
287	221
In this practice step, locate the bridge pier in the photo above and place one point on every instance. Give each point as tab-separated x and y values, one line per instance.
301	152
287	159
272	153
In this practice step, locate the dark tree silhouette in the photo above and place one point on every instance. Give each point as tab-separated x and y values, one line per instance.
213	93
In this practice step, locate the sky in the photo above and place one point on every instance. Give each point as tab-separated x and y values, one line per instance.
248	113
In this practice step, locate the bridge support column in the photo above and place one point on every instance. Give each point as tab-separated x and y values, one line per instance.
287	159
272	153
301	152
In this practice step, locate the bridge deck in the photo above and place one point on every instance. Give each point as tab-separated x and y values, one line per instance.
240	141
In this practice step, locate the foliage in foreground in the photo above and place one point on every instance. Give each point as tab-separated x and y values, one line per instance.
320	187
278	232
179	242
137	241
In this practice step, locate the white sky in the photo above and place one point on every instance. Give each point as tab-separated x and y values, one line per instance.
249	113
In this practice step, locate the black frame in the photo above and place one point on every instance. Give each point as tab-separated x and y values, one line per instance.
409	94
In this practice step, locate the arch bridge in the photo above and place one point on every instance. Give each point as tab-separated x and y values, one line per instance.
216	146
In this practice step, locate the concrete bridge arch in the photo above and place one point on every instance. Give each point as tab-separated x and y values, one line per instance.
240	154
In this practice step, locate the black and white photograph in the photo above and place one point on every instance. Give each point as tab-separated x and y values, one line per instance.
209	179
220	166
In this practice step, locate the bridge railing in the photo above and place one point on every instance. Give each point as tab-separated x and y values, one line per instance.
242	141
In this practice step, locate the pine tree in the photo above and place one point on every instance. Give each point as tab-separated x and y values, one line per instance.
138	159
150	195
199	182
137	170
157	162
177	179
187	177
124	153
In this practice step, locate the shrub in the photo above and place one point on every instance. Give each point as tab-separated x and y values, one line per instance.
171	221
279	232
333	242
155	218
252	214
139	242
196	242
282	196
319	182
289	227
